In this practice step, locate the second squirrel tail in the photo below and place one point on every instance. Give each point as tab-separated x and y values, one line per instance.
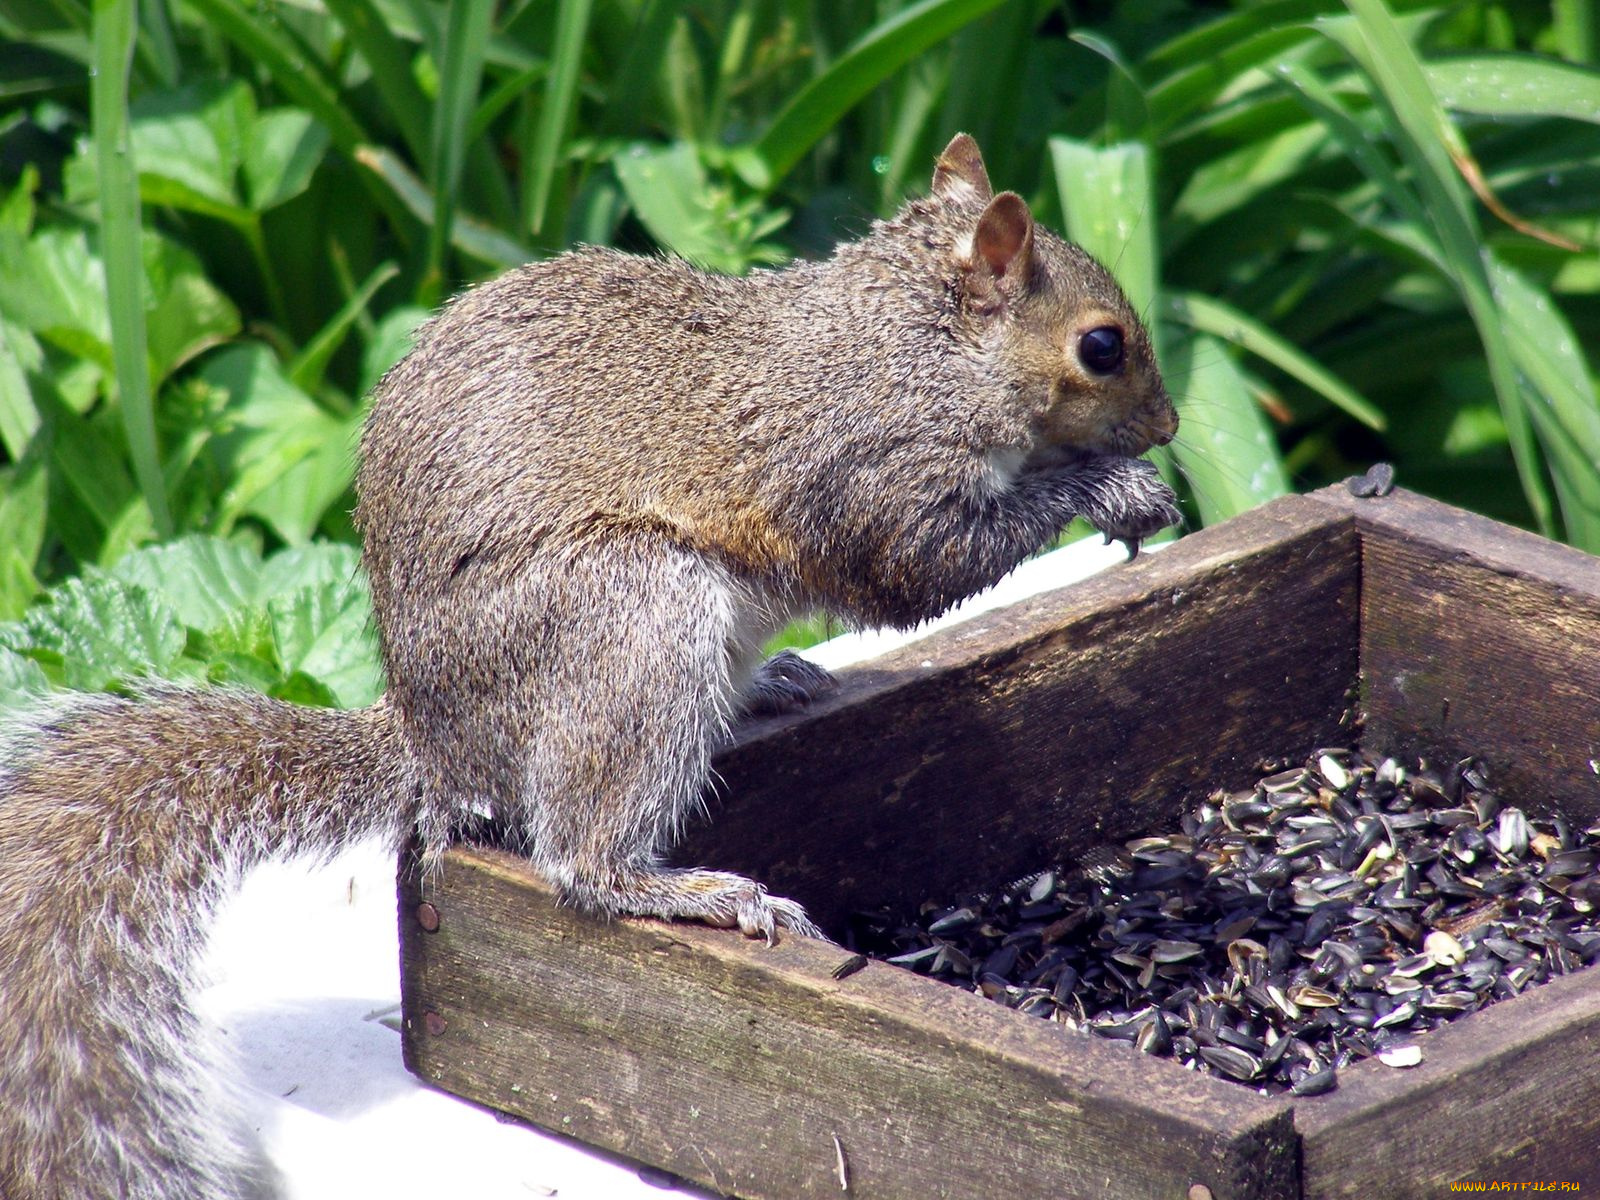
122	823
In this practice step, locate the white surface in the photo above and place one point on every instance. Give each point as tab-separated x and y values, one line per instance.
306	966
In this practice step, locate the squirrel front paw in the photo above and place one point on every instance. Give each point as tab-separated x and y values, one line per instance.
718	898
786	683
1127	500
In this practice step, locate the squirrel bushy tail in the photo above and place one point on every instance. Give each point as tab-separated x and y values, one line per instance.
122	823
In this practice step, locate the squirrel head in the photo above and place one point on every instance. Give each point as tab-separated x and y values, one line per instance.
1051	317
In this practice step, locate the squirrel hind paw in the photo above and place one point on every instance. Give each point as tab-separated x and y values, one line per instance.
786	683
720	899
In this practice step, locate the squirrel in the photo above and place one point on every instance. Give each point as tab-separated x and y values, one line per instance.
587	496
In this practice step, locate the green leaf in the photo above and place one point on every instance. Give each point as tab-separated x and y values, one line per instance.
305	372
286	458
205	580
1225	449
555	113
1208	315
667	188
22	681
391	340
266	45
24	510
324	566
185	312
19	415
1110	210
17	207
284	148
120	245
389	59
55	288
466	37
482	241
875	56
96	633
1431	146
1516	85
325	633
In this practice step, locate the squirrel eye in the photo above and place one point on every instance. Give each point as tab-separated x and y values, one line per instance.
1101	349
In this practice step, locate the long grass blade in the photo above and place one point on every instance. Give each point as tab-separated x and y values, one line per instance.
466	37
1225	449
305	372
483	242
1209	315
389	60
120	230
1427	141
560	101
817	107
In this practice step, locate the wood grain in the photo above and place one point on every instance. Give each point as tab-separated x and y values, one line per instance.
1027	735
735	1064
1033	733
1511	1093
1479	639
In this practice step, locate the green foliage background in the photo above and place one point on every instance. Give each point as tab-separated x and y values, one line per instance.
1361	230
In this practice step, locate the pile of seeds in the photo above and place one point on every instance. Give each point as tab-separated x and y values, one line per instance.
1326	916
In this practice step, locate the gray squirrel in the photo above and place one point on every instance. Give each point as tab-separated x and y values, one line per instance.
587	497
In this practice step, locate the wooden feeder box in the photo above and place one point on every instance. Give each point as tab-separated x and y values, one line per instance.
1098	712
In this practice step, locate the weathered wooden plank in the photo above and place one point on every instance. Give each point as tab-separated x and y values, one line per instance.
1031	734
1481	639
735	1064
1509	1094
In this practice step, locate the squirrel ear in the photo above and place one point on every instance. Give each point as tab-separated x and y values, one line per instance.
960	170
1003	240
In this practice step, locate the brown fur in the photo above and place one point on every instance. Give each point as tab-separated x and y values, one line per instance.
587	496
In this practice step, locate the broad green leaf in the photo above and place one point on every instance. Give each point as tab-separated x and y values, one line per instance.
17	207
19	415
393	337
667	188
1225	449
1516	85
326	633
55	287
185	312
205	580
283	148
285	457
95	633
876	55
1208	315
318	566
22	680
24	511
